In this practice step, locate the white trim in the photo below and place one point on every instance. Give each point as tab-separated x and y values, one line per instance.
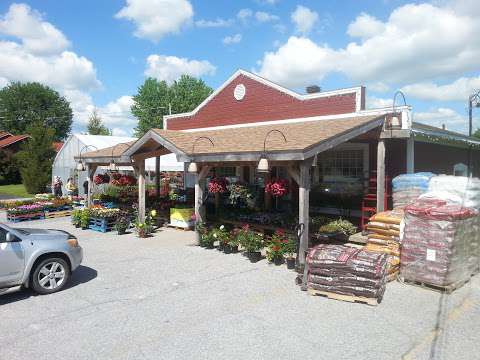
370	112
357	90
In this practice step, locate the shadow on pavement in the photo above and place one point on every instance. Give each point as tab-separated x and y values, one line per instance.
81	275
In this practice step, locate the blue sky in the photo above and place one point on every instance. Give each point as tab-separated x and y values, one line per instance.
97	53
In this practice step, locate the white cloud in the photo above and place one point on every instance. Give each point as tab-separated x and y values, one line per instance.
378	86
37	36
280	28
263	16
170	68
3	82
244	14
378	103
418	43
234	39
156	18
365	27
459	90
214	23
304	19
443	116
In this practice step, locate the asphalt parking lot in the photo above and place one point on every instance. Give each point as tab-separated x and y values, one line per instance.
165	298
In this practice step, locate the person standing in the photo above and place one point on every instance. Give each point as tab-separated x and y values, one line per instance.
57	186
71	187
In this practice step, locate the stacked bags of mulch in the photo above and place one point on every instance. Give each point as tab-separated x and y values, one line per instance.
408	187
440	243
348	271
384	237
458	189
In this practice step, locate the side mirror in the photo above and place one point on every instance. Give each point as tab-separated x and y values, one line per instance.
10	237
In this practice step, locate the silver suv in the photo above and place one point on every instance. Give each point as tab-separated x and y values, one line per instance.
37	258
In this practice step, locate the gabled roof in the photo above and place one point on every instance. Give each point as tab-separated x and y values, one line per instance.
303	140
443	136
290	97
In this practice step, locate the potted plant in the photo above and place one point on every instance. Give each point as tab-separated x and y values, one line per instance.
202	231
76	217
252	242
233	242
221	235
122	223
276	247
208	240
290	248
337	229
85	219
143	229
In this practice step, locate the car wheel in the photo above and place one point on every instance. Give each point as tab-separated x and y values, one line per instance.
50	275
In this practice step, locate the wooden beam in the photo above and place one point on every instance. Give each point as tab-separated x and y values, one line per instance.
381	175
294	173
141	190
199	189
410	155
304	207
157	176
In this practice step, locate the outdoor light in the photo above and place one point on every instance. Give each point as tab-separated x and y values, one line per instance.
395	122
193	167
81	164
112	166
263	166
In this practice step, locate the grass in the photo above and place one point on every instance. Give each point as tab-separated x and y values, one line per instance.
17	190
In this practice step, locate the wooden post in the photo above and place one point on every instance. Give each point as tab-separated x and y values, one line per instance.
90	173
381	176
141	189
157	176
199	207
304	208
410	155
267	198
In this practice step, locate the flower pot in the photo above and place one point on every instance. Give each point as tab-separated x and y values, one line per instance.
121	231
209	246
77	226
254	256
220	246
290	263
278	260
227	249
84	227
234	249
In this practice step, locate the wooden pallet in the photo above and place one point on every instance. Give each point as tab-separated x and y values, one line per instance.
57	214
101	224
28	217
448	289
341	297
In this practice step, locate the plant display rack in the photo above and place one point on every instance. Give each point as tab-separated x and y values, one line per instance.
58	212
25	217
102	224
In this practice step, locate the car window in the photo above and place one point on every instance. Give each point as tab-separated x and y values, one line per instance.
3	235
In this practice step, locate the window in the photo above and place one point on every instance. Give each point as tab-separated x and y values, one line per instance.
230	171
342	163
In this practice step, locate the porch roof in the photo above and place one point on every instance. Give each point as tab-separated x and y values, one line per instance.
303	140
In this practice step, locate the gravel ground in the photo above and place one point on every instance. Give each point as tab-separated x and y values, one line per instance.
164	298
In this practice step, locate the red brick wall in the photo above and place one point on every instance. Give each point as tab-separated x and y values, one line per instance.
261	103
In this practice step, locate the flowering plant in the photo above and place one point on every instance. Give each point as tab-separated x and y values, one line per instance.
277	187
101	179
276	245
25	209
250	240
221	234
104	213
238	191
217	185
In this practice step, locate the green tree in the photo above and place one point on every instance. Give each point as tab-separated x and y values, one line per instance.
23	104
95	125
187	93
149	105
477	133
155	99
36	158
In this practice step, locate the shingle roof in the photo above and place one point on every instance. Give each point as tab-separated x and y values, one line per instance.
118	150
299	136
9	140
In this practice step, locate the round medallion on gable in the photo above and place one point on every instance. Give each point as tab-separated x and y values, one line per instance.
239	92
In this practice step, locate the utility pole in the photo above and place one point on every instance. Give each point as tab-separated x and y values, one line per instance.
473	101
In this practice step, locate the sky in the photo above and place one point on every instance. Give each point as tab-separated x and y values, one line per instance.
97	53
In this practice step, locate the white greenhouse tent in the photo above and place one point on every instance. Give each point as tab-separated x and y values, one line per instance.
64	164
